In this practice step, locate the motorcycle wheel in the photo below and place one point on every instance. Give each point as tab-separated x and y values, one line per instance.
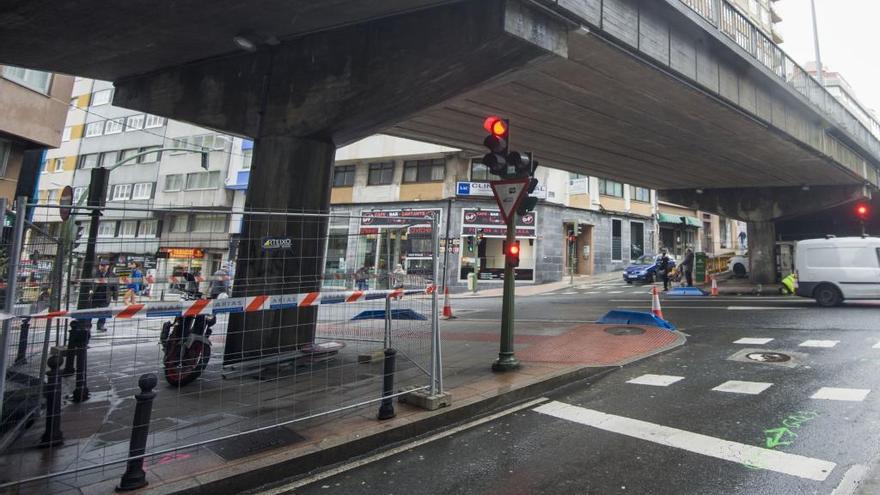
184	367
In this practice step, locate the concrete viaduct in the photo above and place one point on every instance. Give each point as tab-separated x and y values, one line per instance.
681	95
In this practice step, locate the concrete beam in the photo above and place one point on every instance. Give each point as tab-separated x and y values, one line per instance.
765	204
350	82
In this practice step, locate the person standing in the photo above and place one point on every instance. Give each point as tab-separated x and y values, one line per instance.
687	266
102	291
135	283
219	284
663	266
361	276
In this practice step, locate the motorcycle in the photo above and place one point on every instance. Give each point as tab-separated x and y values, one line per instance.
186	345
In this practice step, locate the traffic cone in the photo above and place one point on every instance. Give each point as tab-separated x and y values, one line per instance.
714	286
655	303
447	307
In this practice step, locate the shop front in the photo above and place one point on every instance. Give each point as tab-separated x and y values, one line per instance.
400	236
175	261
483	235
678	232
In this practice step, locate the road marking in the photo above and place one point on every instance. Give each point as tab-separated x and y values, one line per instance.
760	308
592	292
819	343
656	380
851	480
738	387
615	292
844	394
771	460
876	346
568	293
288	488
752	341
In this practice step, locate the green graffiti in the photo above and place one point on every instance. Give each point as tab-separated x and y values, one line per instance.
781	436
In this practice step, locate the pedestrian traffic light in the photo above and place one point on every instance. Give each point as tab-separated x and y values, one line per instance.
863	211
496	141
511	253
470	243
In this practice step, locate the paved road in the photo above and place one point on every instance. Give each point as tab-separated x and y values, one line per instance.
692	421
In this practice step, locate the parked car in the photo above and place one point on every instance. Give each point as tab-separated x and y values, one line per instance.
739	265
832	270
644	269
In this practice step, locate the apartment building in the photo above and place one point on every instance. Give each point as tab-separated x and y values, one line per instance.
762	13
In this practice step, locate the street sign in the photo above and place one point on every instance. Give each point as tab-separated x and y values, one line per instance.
509	194
66	202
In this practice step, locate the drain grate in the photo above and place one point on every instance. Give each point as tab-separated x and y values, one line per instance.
625	330
787	359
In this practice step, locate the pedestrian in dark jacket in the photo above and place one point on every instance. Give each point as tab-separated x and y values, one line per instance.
663	267
103	291
687	266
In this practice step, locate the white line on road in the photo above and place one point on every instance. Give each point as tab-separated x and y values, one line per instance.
738	387
845	394
771	460
819	343
288	488
752	341
851	480
760	308
656	380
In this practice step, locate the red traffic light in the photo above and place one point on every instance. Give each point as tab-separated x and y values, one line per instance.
863	211
495	125
514	249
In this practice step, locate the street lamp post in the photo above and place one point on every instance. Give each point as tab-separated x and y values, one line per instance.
816	44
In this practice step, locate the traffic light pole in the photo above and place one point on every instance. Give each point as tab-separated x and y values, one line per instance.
506	359
97	193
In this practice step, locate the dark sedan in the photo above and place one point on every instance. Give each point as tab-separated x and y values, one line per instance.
644	269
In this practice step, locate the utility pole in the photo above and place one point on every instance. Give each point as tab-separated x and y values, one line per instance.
816	45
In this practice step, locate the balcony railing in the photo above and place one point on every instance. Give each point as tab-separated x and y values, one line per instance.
746	34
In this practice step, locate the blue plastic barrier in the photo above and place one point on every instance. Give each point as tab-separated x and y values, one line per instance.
396	314
686	291
621	317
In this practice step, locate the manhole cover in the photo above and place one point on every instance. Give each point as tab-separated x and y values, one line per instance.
768	357
625	330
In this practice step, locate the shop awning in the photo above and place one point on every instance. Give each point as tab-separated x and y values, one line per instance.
676	219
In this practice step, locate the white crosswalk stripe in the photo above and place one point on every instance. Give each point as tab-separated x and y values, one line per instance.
842	394
819	343
739	387
752	341
655	380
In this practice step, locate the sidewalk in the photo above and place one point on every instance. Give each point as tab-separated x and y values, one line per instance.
487	289
553	355
727	285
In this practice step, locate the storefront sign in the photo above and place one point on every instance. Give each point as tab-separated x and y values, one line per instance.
186	253
482	189
490	223
374	220
277	243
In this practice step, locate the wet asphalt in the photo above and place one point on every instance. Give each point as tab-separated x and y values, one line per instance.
527	452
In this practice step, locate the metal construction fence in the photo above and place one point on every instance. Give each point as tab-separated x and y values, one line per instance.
252	323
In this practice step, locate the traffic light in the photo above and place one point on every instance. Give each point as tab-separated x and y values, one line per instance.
496	141
77	233
529	203
511	253
470	243
863	211
521	164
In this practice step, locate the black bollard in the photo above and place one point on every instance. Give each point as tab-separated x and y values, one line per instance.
21	355
52	436
70	349
81	334
134	476
386	410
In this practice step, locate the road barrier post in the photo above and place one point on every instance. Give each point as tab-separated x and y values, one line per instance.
134	476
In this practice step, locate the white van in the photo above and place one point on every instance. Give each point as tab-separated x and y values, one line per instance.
833	269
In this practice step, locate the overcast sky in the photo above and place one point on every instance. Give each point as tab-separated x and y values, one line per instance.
848	40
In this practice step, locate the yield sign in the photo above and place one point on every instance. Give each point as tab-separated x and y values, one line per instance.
509	194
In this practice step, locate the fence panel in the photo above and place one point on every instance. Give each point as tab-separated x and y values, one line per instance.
278	334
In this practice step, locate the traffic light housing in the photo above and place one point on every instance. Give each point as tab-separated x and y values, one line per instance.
497	143
470	243
78	231
863	211
511	253
529	203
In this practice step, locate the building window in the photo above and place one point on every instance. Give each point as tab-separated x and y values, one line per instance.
179	224
247	157
78	194
616	240
58	165
641	194
89	161
380	174
128	228
209	223
107	228
151	157
636	240
121	192
94	129
101	97
114	126
479	172
610	188
424	170
202	180
142	190
343	176
134	122
173	182
52	196
109	158
203	142
36	80
5	151
148	228
152	121
65	134
127	154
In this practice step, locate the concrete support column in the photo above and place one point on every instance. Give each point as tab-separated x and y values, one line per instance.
288	174
762	252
